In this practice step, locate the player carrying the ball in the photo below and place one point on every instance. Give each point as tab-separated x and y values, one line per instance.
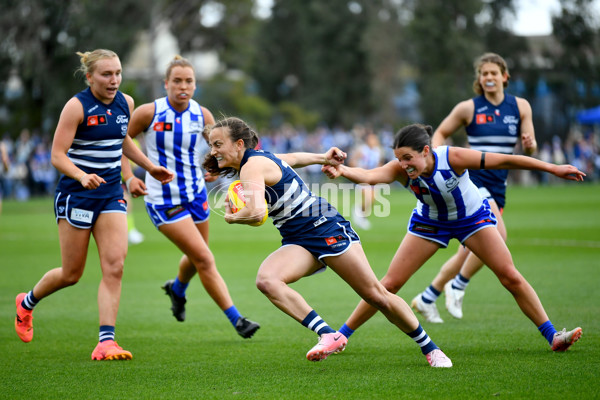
314	235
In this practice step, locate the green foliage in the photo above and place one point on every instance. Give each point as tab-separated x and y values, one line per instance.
555	243
579	63
314	53
40	41
297	116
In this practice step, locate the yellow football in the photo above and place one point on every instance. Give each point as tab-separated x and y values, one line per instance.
237	201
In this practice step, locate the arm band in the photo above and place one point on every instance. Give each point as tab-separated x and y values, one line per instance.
482	163
128	182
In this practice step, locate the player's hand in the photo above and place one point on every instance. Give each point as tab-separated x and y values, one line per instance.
334	156
136	187
528	142
208	177
162	174
91	181
568	172
331	171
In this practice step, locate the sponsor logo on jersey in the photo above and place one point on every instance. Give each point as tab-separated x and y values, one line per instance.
335	241
94	120
77	214
424	228
418	190
92	109
162	126
172	212
510	119
122	119
484	119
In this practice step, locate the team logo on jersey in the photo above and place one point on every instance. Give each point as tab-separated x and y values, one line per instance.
484	119
162	126
451	183
94	120
195	126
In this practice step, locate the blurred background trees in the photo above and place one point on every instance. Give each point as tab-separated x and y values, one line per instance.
306	62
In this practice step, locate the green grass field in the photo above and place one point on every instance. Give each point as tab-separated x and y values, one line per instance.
554	236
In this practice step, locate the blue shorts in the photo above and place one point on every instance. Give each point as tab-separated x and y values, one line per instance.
442	231
82	212
169	214
332	238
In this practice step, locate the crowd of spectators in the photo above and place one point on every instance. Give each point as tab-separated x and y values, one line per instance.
31	173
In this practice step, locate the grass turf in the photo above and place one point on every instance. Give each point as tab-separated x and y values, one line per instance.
554	236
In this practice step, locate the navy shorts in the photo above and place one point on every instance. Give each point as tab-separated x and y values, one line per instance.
82	212
169	214
442	231
332	238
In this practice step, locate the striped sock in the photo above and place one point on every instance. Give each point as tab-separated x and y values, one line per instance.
547	330
107	332
430	295
233	314
346	331
460	282
29	301
316	323
179	287
423	340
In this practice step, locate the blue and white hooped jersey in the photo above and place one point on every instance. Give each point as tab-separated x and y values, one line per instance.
295	210
495	129
98	145
174	140
445	195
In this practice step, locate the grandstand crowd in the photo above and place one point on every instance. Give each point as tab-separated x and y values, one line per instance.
31	174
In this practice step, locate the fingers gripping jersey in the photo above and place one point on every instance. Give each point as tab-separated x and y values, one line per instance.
174	140
98	145
445	196
292	206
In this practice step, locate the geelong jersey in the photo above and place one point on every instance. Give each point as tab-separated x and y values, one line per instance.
445	196
495	129
295	210
98	145
174	140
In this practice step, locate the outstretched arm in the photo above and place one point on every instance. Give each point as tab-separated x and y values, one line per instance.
462	159
387	173
333	156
